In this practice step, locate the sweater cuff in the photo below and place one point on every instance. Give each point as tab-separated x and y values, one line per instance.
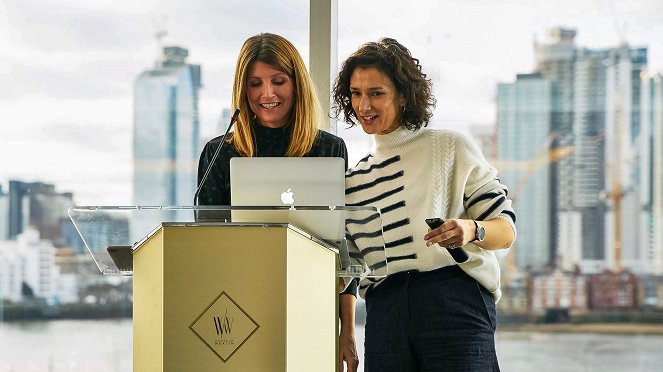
351	285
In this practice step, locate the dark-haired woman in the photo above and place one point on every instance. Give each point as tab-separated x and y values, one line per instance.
430	313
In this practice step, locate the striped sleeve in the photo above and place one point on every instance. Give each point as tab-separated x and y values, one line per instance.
484	196
365	241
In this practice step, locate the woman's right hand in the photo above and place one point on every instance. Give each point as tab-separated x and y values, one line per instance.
453	233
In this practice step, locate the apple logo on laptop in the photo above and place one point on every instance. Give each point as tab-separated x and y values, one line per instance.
287	197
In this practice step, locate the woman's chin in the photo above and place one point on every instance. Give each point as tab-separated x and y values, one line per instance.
368	129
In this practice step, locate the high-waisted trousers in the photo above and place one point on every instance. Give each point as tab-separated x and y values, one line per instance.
440	320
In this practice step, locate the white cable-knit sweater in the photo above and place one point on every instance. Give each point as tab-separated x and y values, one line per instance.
414	175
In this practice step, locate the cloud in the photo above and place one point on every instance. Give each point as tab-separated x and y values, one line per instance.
59	27
76	138
88	81
90	137
230	22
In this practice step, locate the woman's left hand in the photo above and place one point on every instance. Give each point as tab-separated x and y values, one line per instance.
347	352
453	233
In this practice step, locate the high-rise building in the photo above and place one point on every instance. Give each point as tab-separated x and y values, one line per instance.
37	204
524	126
653	168
555	60
598	92
28	267
576	180
4	215
626	143
585	213
19	206
11	272
166	137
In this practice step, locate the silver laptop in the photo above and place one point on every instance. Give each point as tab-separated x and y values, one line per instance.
291	181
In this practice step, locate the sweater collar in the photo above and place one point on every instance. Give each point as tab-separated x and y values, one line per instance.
393	142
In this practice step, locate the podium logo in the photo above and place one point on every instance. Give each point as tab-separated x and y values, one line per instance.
224	326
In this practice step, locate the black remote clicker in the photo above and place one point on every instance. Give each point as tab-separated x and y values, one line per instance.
459	253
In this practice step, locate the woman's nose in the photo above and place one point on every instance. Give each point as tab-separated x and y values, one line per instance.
268	90
364	104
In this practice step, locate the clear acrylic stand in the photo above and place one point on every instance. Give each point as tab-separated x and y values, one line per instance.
112	233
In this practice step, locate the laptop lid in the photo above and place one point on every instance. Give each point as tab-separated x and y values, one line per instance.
278	181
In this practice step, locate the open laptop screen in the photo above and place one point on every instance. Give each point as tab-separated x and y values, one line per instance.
278	181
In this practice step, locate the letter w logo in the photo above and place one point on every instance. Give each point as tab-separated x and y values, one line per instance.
223	324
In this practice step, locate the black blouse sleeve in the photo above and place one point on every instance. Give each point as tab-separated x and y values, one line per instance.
343	152
216	188
329	145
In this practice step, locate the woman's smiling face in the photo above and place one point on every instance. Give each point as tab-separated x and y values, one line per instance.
270	94
375	100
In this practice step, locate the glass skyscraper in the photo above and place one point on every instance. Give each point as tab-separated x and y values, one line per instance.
166	140
524	116
652	92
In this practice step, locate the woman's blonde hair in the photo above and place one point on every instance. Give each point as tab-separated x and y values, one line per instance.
304	117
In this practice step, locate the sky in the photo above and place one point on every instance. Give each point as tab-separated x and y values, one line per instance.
68	66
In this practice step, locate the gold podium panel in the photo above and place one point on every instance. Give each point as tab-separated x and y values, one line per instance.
234	298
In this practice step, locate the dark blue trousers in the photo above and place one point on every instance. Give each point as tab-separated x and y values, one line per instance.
440	320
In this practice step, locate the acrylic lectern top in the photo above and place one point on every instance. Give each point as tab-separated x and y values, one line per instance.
111	233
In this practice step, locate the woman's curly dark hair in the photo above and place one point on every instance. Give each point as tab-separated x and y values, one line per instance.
404	71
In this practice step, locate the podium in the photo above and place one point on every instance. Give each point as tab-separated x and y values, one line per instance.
214	294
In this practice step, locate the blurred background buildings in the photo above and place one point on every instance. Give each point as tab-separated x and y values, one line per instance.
579	141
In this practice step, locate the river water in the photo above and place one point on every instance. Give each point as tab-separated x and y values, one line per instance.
105	346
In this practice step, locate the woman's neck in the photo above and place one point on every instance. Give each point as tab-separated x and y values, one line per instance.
394	141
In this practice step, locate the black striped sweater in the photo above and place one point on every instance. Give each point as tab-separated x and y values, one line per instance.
414	175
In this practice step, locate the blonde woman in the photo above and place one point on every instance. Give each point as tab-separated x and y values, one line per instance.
279	116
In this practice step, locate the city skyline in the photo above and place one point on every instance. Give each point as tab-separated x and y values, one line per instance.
71	67
583	126
67	106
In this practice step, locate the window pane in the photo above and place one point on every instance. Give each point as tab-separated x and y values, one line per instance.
565	100
76	76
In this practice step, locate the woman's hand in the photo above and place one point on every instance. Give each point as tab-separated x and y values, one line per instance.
453	233
347	349
347	352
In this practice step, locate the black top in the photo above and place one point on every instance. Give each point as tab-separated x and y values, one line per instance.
269	142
